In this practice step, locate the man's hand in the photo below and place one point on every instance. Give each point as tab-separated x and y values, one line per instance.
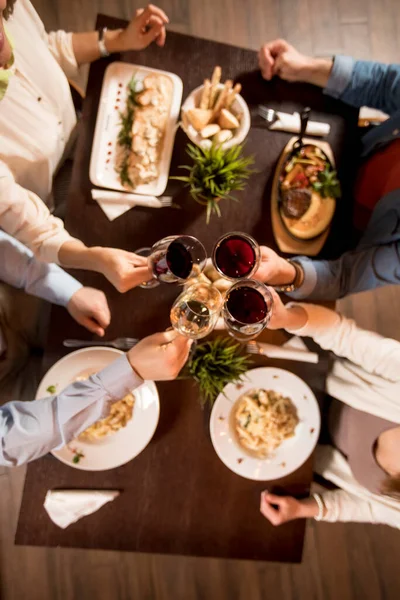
281	58
160	356
89	308
146	27
273	269
280	509
124	269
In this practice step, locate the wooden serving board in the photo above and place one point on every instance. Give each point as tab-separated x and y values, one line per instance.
287	243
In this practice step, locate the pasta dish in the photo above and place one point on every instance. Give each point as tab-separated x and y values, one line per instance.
120	413
263	419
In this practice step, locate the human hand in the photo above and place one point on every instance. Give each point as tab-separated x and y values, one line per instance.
281	58
284	317
147	26
124	269
89	308
281	509
160	356
273	269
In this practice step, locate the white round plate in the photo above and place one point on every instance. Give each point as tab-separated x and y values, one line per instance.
120	447
239	106
293	452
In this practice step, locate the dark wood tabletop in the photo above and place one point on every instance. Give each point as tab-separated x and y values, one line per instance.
177	496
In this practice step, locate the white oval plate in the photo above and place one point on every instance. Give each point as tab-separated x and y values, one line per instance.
239	106
292	453
120	447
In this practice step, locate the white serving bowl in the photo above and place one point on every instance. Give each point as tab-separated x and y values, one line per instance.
239	107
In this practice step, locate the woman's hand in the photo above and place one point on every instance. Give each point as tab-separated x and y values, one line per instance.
283	317
89	308
125	270
281	509
160	356
281	58
146	27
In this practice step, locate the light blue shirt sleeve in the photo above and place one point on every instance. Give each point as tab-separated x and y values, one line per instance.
365	83
29	430
19	268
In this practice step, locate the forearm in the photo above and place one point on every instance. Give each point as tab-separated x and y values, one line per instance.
316	71
30	430
75	254
86	47
308	508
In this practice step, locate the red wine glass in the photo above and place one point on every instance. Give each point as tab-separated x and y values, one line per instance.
247	309
236	256
174	259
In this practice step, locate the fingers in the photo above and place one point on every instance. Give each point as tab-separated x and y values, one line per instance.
92	326
137	261
152	27
270	513
154	32
102	316
150	11
266	62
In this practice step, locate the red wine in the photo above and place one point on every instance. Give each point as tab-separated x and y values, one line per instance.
179	260
247	305
235	257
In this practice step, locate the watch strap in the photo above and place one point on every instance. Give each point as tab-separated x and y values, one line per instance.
296	283
102	46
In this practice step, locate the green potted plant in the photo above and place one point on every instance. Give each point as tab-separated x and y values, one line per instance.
213	365
215	173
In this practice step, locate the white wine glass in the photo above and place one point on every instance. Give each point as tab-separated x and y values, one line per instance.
195	312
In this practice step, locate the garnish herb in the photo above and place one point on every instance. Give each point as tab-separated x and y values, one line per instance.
51	389
328	184
125	133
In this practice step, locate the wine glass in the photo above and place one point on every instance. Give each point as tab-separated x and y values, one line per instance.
247	309
236	256
195	312
174	259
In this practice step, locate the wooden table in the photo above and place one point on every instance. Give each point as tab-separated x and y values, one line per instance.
178	497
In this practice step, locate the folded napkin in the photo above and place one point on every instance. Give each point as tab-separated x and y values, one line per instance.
291	123
67	506
115	204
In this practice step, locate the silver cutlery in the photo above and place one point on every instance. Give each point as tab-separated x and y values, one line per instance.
268	114
122	343
272	351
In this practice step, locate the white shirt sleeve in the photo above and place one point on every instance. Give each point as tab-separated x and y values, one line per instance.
60	45
343	506
29	430
375	354
24	216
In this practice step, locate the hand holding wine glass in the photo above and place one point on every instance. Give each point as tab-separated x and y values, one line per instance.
247	309
195	312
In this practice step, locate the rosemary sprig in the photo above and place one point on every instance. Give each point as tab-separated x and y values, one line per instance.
125	133
214	364
215	173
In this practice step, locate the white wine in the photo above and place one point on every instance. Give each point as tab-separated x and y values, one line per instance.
192	319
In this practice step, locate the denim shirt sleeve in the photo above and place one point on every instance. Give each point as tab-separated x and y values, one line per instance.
365	83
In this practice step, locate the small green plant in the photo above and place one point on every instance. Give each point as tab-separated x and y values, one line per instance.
214	364
328	184
215	173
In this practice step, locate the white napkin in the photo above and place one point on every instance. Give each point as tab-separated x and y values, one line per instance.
67	506
296	343
115	204
291	123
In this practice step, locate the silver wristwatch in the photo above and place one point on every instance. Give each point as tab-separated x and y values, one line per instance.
296	283
102	47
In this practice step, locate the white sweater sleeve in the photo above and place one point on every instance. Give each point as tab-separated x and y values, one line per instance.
343	506
24	216
375	354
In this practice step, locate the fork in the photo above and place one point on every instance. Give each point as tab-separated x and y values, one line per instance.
122	343
268	114
272	351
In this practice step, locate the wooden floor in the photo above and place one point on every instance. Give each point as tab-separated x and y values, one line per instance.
359	562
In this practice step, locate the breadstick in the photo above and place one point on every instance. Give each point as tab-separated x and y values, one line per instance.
221	98
205	96
215	79
232	95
